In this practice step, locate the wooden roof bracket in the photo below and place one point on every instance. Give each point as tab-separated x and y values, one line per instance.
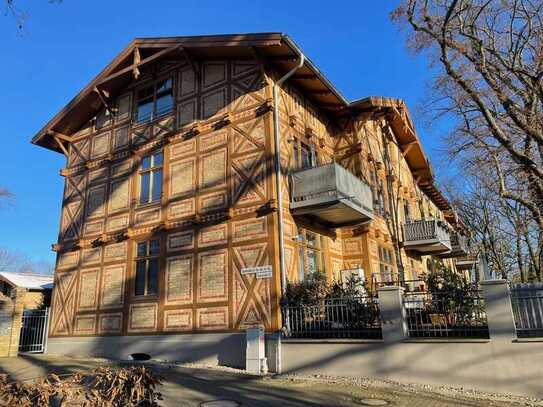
191	62
260	60
131	68
104	97
408	146
137	60
58	137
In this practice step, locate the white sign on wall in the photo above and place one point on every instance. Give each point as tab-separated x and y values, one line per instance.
260	272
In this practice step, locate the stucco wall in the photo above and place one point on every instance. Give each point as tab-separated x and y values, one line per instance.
515	367
223	349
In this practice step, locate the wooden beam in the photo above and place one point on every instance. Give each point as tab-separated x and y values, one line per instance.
143	62
285	58
191	62
260	60
304	76
61	146
408	146
104	97
319	92
137	61
60	135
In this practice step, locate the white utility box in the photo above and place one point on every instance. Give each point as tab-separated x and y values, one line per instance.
256	350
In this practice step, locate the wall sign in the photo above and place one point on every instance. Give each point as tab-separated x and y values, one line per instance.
260	272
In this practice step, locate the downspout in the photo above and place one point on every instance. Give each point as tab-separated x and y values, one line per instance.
277	136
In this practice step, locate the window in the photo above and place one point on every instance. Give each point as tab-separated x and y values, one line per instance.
378	192
151	178
147	267
407	211
154	101
305	155
385	264
311	254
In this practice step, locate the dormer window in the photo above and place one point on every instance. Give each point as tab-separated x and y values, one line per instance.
154	101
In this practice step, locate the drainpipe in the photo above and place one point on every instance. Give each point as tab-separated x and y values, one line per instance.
277	136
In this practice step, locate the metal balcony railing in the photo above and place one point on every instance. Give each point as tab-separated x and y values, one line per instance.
332	194
459	246
427	236
466	262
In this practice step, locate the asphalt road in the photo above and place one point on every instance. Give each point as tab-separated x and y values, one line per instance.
198	386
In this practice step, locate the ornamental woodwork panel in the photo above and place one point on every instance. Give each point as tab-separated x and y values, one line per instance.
143	317
113	281
179	279
85	324
178	320
110	323
211	319
63	302
180	241
251	297
183	177
100	145
88	289
212	276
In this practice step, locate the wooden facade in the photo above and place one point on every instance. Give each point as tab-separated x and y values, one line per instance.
217	211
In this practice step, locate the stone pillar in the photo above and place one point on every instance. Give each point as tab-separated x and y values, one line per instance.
393	316
501	323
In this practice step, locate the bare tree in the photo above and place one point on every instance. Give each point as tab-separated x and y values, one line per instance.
489	60
5	196
11	261
12	9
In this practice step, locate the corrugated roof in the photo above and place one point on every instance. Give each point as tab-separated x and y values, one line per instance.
30	281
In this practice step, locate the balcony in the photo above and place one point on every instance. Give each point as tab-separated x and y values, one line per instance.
426	237
331	194
459	246
466	262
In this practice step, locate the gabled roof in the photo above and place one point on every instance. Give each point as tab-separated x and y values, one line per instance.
273	48
29	281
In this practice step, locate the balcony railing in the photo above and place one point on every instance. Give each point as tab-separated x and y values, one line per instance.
331	194
466	262
459	246
426	236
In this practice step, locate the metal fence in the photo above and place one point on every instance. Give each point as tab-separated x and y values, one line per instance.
334	318
527	303
33	338
455	314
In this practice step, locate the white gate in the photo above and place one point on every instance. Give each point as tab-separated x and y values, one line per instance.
34	327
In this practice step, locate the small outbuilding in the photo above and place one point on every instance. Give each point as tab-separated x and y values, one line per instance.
38	287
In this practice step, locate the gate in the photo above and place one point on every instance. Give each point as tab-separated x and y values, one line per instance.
34	327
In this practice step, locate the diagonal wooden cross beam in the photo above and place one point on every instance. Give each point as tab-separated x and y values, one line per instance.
104	97
191	62
145	61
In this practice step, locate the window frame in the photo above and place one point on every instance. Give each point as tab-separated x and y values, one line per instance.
304	250
151	171
152	98
298	147
147	259
386	264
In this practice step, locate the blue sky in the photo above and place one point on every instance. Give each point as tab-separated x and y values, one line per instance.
63	46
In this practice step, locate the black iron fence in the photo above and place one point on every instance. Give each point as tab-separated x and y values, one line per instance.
356	318
527	304
33	337
455	314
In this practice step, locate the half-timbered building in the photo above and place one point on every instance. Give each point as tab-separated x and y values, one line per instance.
204	173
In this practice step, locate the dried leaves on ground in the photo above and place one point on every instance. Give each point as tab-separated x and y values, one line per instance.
104	387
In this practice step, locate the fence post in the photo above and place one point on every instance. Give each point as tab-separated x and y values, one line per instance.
501	323
393	316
